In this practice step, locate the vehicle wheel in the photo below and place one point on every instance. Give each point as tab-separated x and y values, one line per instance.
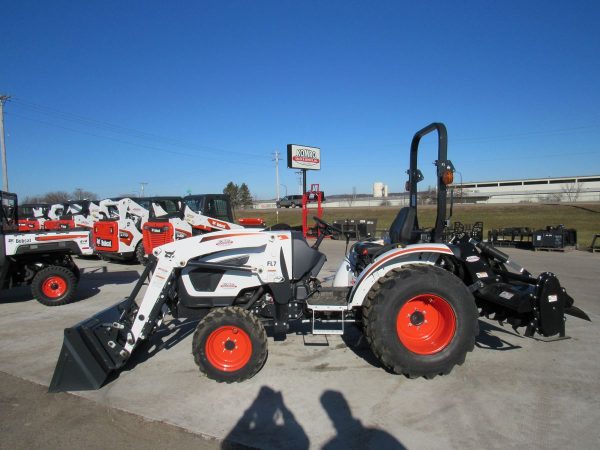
293	205
140	254
230	345
54	286
420	321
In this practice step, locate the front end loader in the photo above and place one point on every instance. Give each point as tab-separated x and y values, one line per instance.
418	298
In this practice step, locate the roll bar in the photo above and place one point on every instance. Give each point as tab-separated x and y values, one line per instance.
442	163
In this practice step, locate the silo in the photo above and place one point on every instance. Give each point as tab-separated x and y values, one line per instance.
378	189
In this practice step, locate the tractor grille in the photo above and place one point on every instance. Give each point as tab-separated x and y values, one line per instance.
156	234
105	236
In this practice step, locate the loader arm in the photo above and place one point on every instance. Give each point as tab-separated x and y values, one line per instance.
101	345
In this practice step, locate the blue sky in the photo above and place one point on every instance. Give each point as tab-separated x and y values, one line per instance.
191	95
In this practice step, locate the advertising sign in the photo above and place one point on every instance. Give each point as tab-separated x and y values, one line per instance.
303	157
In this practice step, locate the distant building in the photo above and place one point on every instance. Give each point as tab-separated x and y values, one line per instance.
380	189
531	190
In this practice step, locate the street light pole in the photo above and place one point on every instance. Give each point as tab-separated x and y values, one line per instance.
276	159
3	99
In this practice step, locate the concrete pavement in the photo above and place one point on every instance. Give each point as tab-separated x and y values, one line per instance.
330	392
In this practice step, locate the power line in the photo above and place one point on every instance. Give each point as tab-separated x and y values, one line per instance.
151	147
119	129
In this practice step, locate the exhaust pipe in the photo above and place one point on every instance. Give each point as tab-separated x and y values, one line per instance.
93	350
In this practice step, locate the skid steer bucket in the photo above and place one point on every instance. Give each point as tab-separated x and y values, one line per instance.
85	361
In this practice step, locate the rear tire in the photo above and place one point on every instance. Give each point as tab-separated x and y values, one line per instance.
140	254
230	345
420	321
54	286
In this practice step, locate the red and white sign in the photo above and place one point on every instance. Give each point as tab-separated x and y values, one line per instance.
303	157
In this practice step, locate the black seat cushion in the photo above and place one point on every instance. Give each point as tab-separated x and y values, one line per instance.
401	230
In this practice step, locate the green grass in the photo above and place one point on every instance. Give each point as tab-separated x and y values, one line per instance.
585	218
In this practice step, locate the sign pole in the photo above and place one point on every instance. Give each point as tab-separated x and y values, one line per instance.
303	181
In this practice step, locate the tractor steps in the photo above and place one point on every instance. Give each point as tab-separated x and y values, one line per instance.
331	302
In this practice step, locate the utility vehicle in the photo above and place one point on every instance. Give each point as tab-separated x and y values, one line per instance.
41	259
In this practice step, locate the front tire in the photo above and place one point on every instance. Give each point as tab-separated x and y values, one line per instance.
140	254
54	286
420	321
230	345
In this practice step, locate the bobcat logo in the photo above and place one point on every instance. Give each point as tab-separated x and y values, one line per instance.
170	255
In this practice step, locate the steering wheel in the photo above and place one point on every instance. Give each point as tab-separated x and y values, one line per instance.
326	227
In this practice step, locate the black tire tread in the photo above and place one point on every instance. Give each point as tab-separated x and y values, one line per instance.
140	254
371	316
67	274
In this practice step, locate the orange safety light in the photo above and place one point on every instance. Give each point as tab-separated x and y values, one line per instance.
447	177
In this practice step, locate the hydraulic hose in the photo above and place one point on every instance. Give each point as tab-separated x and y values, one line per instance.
493	252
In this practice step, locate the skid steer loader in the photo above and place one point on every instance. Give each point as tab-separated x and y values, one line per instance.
120	235
32	216
39	258
75	214
418	299
199	214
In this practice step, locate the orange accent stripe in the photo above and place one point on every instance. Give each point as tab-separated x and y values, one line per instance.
406	252
60	238
223	236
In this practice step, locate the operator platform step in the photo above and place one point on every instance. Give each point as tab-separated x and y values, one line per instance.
333	304
329	299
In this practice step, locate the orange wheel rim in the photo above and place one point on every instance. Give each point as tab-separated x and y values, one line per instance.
426	324
228	348
54	287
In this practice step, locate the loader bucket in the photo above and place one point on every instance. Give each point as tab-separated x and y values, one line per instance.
86	360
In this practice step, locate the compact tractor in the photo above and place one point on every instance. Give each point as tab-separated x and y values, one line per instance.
119	236
417	299
41	259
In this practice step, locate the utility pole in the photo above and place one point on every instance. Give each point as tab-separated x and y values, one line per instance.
276	159
78	190
3	99
142	185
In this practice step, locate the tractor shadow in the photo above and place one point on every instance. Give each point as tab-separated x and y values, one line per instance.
16	295
165	338
488	338
93	278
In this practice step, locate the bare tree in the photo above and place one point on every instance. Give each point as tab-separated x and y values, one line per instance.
571	190
80	194
56	197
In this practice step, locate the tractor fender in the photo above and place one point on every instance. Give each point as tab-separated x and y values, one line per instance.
393	259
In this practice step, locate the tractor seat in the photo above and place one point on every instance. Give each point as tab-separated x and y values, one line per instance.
306	261
400	232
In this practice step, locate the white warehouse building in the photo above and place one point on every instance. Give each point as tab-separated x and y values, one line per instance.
531	190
